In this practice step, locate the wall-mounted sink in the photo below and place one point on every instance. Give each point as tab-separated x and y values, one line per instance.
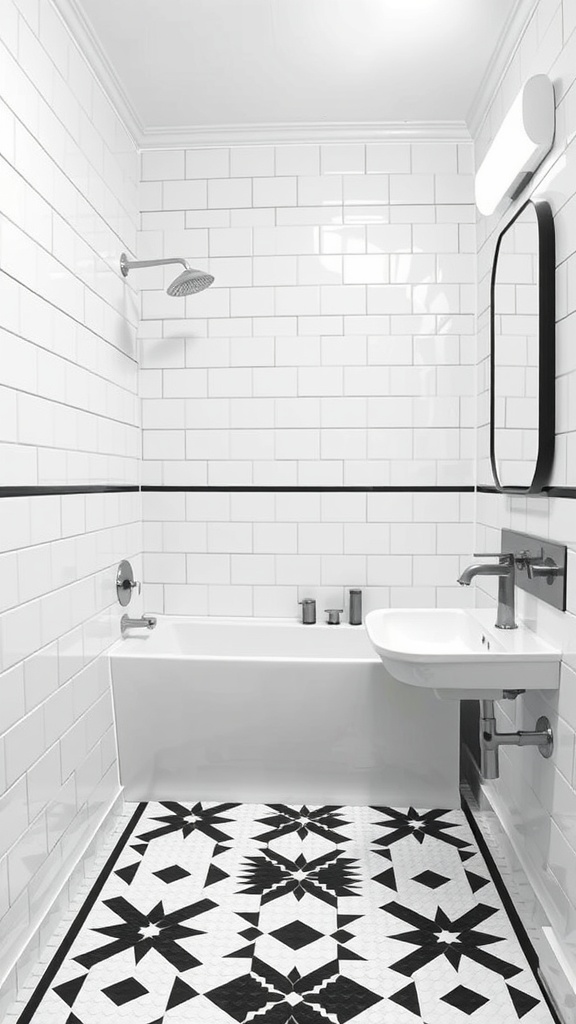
460	654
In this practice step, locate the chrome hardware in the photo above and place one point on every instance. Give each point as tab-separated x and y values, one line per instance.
308	611
491	739
125	583
541	566
333	616
145	622
355	608
545	568
505	569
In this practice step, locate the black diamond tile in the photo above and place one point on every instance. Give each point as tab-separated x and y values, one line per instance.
296	934
128	873
476	881
431	879
171	874
342	935
70	989
408	998
125	991
181	993
464	999
523	1002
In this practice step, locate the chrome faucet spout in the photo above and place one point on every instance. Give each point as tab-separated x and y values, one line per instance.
482	569
505	570
145	622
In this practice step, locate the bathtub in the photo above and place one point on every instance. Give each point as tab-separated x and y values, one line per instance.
268	710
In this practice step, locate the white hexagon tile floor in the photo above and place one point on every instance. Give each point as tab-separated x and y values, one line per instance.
221	913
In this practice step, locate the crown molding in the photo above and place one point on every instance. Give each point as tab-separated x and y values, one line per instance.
193	136
83	34
499	63
199	136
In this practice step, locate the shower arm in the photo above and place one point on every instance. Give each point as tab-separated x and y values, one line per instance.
127	265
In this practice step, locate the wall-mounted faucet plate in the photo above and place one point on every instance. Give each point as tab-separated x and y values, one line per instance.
538	553
125	582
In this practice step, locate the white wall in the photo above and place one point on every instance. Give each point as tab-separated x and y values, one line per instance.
335	348
68	416
537	798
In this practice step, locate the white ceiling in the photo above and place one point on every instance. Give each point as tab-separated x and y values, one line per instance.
236	62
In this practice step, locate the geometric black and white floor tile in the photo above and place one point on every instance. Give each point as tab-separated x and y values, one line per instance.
222	913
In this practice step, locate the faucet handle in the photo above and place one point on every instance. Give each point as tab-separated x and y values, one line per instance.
493	554
333	616
543	568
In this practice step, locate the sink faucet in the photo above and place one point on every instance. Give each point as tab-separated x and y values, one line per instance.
145	622
505	569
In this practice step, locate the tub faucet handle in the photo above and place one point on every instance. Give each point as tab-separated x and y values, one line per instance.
333	616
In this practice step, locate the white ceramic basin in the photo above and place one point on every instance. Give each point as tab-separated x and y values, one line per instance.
460	654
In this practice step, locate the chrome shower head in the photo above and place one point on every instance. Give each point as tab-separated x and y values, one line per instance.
187	283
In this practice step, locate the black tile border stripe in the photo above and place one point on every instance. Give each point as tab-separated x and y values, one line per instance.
52	489
29	492
546	492
510	909
297	489
72	933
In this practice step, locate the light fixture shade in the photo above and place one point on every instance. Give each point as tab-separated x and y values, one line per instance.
521	143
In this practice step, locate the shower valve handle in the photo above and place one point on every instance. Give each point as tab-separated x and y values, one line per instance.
132	585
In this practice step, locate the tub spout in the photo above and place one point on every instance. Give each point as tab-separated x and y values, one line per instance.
145	622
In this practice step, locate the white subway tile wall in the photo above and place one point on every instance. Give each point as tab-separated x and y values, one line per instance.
335	348
343	301
259	553
537	797
69	415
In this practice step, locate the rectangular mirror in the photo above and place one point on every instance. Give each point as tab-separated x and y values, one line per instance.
522	352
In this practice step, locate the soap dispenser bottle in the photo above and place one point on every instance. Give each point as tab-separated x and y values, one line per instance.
355	608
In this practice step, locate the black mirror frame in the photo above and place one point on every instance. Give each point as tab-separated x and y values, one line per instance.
546	349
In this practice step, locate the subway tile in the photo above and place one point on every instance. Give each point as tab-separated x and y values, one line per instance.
229	537
208	569
319	270
274	191
207	163
388	158
230	241
410	189
252	161
321	190
434	157
230	600
366	190
184	195
227	193
343	570
303	160
252	508
343	158
297	444
275	602
254	569
162	165
299	570
275	538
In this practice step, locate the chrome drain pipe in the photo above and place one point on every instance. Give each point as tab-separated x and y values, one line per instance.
490	739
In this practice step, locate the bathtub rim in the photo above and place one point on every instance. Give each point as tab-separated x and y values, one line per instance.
128	647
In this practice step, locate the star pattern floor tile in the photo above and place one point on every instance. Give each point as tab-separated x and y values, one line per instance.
274	914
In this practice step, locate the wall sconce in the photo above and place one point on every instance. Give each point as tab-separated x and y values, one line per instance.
519	147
